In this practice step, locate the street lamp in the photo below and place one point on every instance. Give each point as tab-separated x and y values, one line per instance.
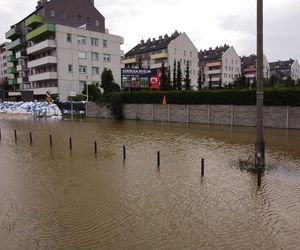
260	144
87	96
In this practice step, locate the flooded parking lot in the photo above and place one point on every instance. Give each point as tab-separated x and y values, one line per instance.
54	198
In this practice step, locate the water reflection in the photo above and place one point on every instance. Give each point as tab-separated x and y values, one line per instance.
54	198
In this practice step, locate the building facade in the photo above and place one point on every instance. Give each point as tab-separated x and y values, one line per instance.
61	47
249	67
6	61
219	66
286	68
151	54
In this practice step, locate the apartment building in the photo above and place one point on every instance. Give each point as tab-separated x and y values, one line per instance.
152	53
6	61
219	66
286	68
249	67
61	47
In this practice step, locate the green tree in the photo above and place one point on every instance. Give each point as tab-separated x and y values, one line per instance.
179	77
210	82
107	82
199	81
174	76
187	78
94	92
169	81
289	82
163	78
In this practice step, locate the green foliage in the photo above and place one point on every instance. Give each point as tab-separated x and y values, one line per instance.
107	81
115	101
174	76
272	97
163	78
240	82
187	79
169	82
94	93
179	77
77	98
199	81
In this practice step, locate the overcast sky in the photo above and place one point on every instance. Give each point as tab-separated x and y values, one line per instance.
207	23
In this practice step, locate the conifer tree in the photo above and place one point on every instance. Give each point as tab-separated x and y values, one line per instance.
187	79
179	77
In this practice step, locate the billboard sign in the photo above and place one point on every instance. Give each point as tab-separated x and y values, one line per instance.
140	78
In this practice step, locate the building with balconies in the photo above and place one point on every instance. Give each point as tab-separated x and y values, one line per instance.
7	60
286	68
151	54
219	66
61	47
249	67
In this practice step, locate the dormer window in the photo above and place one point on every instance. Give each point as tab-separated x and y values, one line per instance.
62	15
97	23
52	13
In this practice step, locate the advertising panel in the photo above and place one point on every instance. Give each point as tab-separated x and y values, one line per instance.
140	78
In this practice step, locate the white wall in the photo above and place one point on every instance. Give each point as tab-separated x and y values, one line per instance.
231	66
295	70
185	51
67	53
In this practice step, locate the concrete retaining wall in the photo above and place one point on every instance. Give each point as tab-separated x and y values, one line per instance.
274	117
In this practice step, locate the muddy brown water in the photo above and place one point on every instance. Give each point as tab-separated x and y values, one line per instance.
57	199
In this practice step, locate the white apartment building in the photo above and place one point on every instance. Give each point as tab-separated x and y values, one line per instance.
61	47
6	61
220	66
151	54
286	68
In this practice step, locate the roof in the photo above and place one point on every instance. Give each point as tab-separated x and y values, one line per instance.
282	65
213	54
153	45
248	61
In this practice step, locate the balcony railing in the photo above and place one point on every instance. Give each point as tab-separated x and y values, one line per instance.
12	34
12	82
41	31
12	70
41	47
11	58
34	20
17	44
130	61
159	56
43	76
42	61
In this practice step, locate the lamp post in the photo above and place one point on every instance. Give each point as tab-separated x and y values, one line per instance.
87	96
260	144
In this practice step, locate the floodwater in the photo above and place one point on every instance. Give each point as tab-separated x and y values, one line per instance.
61	199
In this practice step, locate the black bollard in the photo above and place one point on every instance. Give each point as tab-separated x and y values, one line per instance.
50	139
70	142
202	167
96	148
124	152
30	138
16	135
158	158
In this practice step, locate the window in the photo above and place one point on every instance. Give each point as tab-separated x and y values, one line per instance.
70	68
81	40
191	54
62	15
95	56
174	51
82	84
88	20
82	69
97	23
95	70
69	38
106	58
184	53
79	17
94	41
104	43
52	13
82	55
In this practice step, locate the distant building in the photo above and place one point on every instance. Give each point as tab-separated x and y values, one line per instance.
62	46
286	68
220	66
249	67
6	61
151	54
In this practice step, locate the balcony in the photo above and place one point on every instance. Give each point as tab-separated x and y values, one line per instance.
12	82
214	72
43	91
159	56
22	80
41	47
34	21
11	70
12	34
40	32
21	54
43	77
158	65
214	64
22	68
17	44
42	62
11	58
130	61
